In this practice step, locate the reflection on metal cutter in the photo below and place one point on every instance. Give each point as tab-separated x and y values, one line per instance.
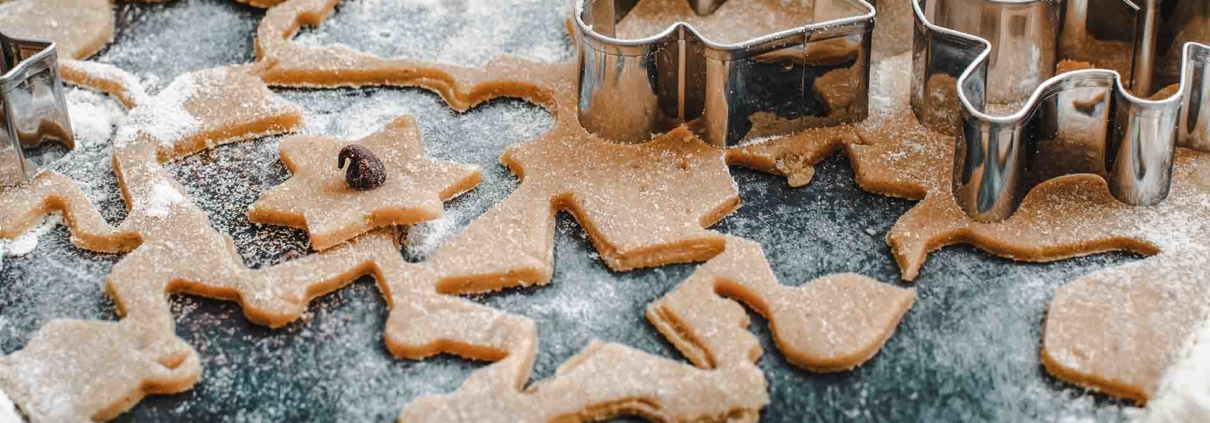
33	106
810	76
1135	88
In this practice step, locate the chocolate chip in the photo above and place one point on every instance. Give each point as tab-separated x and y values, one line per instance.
365	172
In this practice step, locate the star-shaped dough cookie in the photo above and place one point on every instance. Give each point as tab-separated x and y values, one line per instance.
316	198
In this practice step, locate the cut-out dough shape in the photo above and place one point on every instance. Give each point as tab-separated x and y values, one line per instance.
605	381
96	370
830	324
85	371
642	205
1065	217
79	27
680	184
317	198
105	78
1119	330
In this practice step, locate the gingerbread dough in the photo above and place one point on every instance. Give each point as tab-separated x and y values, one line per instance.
45	379
105	78
81	371
641	205
317	198
607	381
1119	330
1064	217
677	186
830	324
79	27
759	17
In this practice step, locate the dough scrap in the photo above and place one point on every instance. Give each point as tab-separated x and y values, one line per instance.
139	355
105	78
759	17
79	27
1119	330
1065	217
830	324
567	169
317	199
606	381
83	371
674	185
1062	218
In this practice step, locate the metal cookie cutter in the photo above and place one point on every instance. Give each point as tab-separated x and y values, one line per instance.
1141	90
33	106
810	76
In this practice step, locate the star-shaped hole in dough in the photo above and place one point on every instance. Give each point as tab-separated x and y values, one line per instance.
317	198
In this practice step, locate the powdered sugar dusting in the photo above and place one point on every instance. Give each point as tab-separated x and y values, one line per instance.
93	116
467	33
8	411
161	198
1184	393
164	117
27	242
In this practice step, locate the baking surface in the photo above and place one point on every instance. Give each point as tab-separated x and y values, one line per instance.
967	351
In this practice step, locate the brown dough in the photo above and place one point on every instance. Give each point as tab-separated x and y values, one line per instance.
79	27
105	78
829	324
318	199
96	370
680	184
1119	330
605	381
759	18
83	371
1065	217
1062	218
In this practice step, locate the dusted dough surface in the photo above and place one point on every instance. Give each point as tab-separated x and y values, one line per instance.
79	27
1119	330
830	324
123	363
318	199
78	371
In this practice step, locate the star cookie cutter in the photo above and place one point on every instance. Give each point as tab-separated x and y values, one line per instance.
971	53
34	109
809	76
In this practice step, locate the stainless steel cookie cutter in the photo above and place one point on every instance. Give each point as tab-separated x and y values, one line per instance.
809	76
34	109
1145	91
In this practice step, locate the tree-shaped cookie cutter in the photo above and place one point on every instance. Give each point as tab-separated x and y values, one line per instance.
1140	91
33	106
809	76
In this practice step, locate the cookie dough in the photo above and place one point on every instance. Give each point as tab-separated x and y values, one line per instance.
83	371
316	197
79	371
602	382
833	323
105	78
1119	330
759	17
1064	217
80	28
642	205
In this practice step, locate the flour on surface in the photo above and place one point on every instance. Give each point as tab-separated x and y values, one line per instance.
27	242
467	33
161	199
1184	393
164	117
93	116
8	411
